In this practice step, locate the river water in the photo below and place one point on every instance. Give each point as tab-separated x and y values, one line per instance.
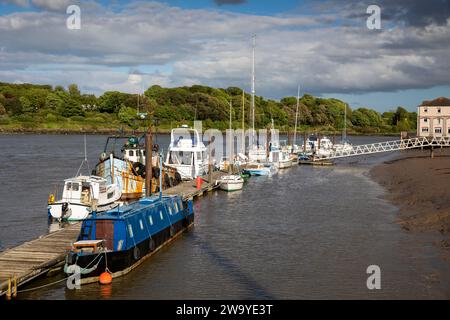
306	232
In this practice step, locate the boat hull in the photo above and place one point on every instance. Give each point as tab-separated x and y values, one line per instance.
76	211
285	164
120	263
232	185
258	172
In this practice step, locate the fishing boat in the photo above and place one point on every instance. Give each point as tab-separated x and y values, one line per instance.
83	194
187	154
231	182
119	240
123	162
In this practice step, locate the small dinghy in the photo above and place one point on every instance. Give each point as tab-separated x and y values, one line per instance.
83	194
259	169
231	183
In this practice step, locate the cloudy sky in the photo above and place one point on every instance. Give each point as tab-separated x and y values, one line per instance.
325	46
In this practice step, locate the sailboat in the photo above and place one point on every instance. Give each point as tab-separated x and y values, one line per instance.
256	153
231	182
344	146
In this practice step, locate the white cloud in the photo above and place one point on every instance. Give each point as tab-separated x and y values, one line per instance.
54	5
213	47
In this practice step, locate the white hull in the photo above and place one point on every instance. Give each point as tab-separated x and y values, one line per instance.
285	164
76	211
231	186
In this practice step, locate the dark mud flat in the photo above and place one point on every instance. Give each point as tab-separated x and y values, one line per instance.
420	186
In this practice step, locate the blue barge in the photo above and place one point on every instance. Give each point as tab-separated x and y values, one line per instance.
120	239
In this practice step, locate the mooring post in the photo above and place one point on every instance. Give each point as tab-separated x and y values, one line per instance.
15	286
8	292
148	162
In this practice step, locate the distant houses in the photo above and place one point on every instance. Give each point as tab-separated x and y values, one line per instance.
433	118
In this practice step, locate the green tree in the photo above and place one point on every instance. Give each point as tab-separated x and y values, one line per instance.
128	116
54	102
26	105
73	90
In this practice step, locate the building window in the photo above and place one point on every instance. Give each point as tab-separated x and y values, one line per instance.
439	121
425	119
449	131
131	153
425	109
424	129
439	110
437	130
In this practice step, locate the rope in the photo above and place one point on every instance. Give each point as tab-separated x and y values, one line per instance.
61	280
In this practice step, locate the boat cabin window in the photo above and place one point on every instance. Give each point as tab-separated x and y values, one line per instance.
130	230
110	194
150	219
74	186
199	156
176	207
180	157
180	204
161	215
169	208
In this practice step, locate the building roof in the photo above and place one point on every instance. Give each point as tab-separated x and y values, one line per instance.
440	102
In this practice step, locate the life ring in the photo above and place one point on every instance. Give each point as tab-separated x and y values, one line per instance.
151	244
136	253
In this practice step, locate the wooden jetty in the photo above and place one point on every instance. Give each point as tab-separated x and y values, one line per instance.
35	258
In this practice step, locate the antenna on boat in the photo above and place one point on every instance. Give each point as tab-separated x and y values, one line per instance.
296	115
85	159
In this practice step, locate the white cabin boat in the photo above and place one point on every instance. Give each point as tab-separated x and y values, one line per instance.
280	157
231	183
81	195
187	154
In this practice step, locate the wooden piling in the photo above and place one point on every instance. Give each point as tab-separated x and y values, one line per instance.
148	162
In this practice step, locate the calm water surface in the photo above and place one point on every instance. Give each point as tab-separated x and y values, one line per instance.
303	233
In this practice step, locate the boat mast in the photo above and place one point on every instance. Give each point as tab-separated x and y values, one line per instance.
344	137
253	87
243	122
296	115
85	159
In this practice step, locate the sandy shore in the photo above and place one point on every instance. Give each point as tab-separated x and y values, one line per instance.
420	186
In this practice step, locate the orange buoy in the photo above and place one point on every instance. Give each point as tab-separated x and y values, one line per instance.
105	278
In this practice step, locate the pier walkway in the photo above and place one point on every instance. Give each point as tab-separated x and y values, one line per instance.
395	145
35	258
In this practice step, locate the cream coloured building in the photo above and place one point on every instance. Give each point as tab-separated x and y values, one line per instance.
433	118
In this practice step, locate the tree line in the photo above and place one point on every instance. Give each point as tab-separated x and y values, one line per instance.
30	105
